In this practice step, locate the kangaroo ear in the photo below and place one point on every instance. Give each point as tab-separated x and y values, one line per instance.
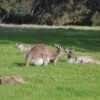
67	50
16	44
72	50
58	46
0	77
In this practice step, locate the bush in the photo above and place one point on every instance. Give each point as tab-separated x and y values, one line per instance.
96	19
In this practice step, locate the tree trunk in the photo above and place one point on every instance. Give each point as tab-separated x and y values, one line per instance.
2	18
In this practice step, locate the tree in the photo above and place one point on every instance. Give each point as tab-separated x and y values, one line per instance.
22	9
50	12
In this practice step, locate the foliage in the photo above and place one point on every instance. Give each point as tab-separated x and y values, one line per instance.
22	9
51	12
96	19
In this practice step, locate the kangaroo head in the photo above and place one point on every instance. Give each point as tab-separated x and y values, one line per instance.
62	50
70	52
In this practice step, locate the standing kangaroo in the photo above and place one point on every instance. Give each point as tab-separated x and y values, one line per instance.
23	47
81	59
42	54
11	80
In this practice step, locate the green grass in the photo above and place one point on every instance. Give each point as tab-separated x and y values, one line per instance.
62	81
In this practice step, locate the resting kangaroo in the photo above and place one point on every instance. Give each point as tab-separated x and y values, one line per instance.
42	54
81	59
11	80
23	47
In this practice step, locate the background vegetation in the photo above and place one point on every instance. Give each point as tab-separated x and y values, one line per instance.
50	12
54	82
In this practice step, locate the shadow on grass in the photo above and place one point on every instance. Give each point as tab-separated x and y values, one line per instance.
23	64
30	64
67	38
19	64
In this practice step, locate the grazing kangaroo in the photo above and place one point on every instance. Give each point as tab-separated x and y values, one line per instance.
23	47
42	54
81	59
11	80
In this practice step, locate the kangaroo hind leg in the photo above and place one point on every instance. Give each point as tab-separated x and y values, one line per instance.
45	61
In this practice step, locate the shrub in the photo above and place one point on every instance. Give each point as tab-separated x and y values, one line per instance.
96	19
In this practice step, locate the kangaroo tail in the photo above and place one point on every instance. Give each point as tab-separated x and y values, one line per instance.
20	81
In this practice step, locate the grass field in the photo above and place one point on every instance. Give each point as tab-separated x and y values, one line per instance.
62	81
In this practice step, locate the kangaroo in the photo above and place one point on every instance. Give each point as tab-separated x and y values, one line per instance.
42	54
81	59
23	47
11	80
